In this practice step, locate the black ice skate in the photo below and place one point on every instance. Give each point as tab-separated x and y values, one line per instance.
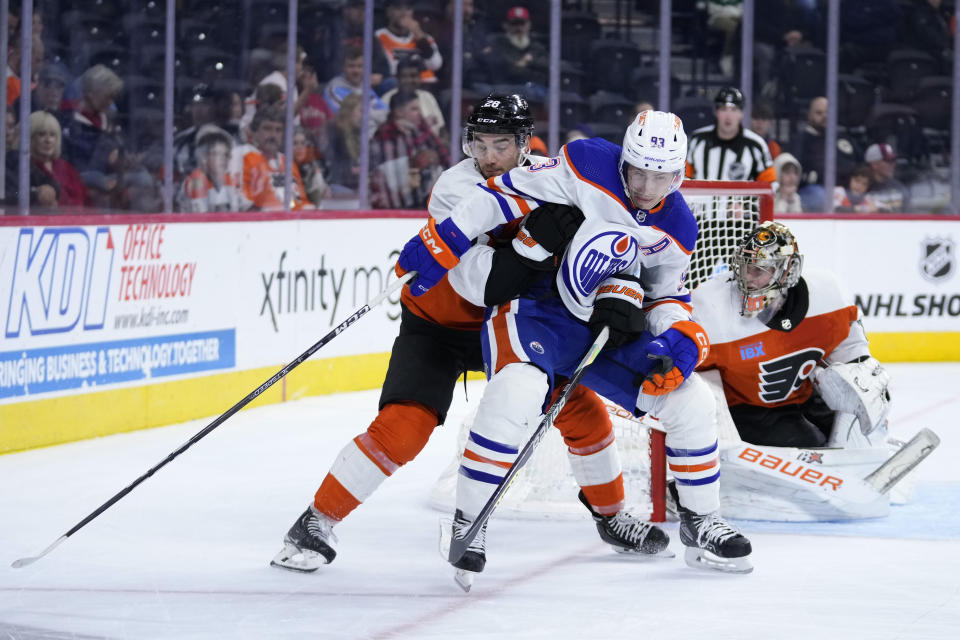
475	557
308	544
712	542
627	533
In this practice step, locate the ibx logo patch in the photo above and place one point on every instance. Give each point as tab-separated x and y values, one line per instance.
600	257
937	259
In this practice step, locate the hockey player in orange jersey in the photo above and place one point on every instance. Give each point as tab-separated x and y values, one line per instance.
258	168
439	340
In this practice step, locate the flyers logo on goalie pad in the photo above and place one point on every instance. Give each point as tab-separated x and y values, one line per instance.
782	376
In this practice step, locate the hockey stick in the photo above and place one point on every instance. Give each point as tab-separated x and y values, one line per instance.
458	546
340	328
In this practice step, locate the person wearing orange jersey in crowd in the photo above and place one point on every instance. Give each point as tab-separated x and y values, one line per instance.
439	340
258	168
403	37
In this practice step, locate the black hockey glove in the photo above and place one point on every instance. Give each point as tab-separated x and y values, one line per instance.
552	226
618	306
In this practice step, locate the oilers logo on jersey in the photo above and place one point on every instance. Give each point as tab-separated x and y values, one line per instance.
600	257
782	376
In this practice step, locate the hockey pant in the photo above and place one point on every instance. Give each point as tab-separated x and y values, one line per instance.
512	404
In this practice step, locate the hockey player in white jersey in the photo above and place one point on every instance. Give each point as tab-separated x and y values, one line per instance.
439	339
624	267
797	376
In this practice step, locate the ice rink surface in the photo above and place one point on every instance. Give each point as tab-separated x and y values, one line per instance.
186	554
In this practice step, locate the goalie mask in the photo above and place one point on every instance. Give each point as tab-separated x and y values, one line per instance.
507	115
653	158
766	263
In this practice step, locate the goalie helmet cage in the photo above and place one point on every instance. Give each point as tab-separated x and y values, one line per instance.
545	488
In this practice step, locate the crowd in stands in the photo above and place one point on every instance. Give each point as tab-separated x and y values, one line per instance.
96	133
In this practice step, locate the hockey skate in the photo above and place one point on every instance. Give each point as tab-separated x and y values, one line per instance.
475	557
627	533
308	544
711	542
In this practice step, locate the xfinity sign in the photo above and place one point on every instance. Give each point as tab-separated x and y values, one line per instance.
60	276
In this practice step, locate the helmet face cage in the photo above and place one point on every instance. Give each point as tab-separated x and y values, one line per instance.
655	141
503	114
766	263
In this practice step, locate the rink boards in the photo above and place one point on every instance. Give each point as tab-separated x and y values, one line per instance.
117	323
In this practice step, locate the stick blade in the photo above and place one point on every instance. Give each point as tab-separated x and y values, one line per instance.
22	562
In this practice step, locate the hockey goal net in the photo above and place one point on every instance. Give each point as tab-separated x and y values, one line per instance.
545	487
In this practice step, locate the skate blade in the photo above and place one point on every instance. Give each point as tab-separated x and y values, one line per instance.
292	558
464	579
706	561
640	555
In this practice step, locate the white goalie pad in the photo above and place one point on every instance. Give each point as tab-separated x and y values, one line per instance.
859	388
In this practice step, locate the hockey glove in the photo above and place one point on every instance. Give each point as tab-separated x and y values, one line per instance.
678	351
545	233
618	306
431	253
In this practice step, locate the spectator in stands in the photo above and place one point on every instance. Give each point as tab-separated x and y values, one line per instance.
210	187
810	149
403	37
48	94
333	33
45	147
726	150
408	79
228	110
315	114
889	194
311	173
855	197
258	168
778	26
265	96
350	82
475	45
342	154
91	139
761	123
406	157
928	29
787	200
278	78
515	57
13	131
202	110
724	16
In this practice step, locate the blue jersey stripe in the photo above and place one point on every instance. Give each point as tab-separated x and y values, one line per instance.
493	445
480	476
699	481
507	180
504	207
677	453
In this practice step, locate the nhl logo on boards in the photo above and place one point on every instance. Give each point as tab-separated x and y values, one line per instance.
937	259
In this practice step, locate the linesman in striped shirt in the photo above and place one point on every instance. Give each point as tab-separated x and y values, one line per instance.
726	150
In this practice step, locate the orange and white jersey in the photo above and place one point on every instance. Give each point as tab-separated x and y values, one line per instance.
397	47
770	366
615	237
200	195
260	180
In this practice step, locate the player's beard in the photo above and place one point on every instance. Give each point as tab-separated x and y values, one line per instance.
519	40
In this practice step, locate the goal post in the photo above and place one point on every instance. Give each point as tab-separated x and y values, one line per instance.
545	488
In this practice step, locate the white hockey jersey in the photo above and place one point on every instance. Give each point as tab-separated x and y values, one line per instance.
615	237
770	366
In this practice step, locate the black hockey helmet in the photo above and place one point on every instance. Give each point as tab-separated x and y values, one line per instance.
728	95
500	113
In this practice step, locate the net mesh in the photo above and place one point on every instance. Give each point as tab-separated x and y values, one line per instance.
723	221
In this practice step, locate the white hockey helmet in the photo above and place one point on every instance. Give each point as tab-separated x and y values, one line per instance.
766	263
655	141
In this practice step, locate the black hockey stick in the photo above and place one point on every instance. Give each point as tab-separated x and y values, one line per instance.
458	546
340	328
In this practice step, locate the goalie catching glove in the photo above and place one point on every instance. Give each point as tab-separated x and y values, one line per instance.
431	253
545	233
860	388
618	305
678	351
